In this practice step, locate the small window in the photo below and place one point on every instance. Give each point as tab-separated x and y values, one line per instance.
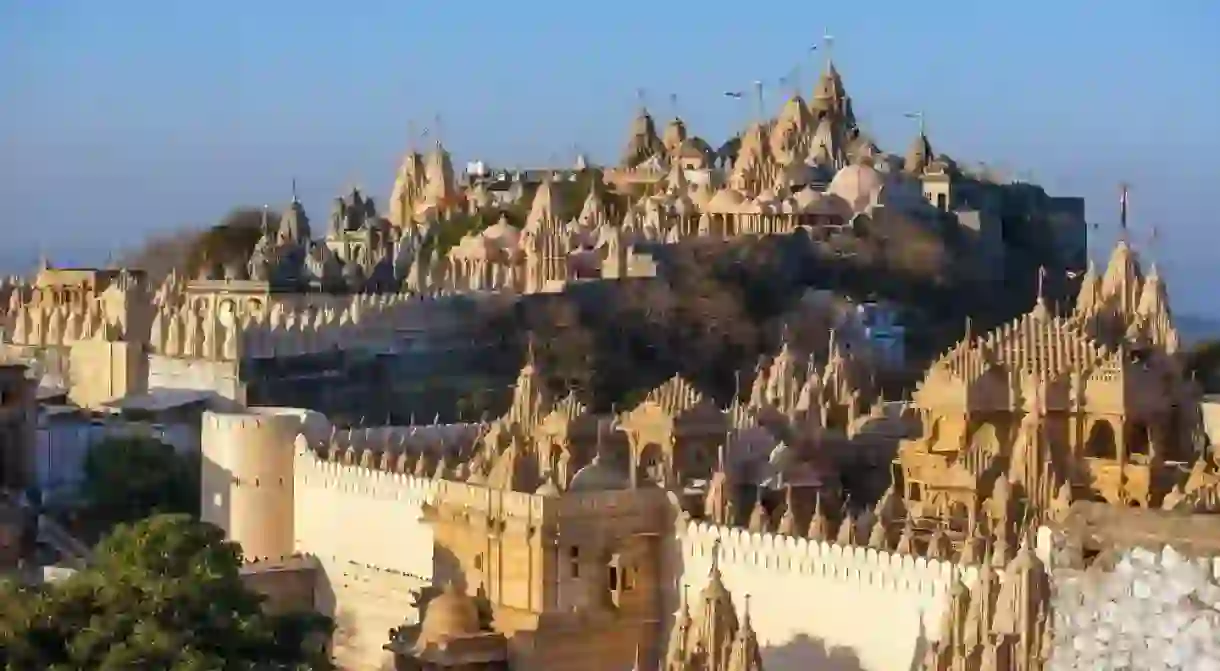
218	500
613	578
478	562
574	560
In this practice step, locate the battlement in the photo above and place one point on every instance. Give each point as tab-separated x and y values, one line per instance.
385	475
312	471
440	438
277	425
880	608
856	565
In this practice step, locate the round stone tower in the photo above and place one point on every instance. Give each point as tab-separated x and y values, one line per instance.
246	479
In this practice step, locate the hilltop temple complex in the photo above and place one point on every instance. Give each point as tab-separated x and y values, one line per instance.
807	523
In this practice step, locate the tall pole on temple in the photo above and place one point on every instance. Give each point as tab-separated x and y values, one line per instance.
1122	208
758	91
918	116
828	42
740	96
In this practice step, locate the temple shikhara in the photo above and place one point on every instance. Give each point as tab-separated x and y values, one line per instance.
1039	474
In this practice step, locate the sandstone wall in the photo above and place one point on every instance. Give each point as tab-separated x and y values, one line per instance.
221	377
816	605
1150	610
246	477
365	528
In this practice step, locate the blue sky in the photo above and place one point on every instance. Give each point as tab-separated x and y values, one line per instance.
122	118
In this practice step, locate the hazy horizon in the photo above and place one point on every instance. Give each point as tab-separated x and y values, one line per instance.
120	124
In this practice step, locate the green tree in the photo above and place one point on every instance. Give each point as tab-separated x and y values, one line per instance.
163	593
129	478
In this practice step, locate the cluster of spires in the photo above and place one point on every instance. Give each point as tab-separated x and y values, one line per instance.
1052	346
714	639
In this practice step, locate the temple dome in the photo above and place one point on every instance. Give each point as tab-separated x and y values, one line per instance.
856	184
548	488
503	235
450	615
726	201
599	475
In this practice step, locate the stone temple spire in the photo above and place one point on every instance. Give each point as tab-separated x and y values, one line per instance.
676	653
716	626
746	654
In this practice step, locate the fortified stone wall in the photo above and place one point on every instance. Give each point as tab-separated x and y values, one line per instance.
246	481
368	322
288	584
378	438
1150	610
365	527
363	515
818	605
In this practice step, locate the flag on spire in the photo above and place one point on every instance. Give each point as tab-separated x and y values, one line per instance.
1122	206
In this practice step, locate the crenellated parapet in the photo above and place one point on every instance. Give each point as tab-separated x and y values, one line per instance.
437	438
855	565
879	609
222	330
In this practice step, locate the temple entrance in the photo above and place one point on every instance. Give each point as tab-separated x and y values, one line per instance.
650	465
1101	443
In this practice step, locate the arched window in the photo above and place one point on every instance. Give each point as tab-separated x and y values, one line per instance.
1101	443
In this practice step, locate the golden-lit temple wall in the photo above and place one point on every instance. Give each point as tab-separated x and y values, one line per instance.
818	605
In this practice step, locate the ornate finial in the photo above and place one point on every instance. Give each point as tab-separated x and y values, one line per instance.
714	571
294	191
1041	283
